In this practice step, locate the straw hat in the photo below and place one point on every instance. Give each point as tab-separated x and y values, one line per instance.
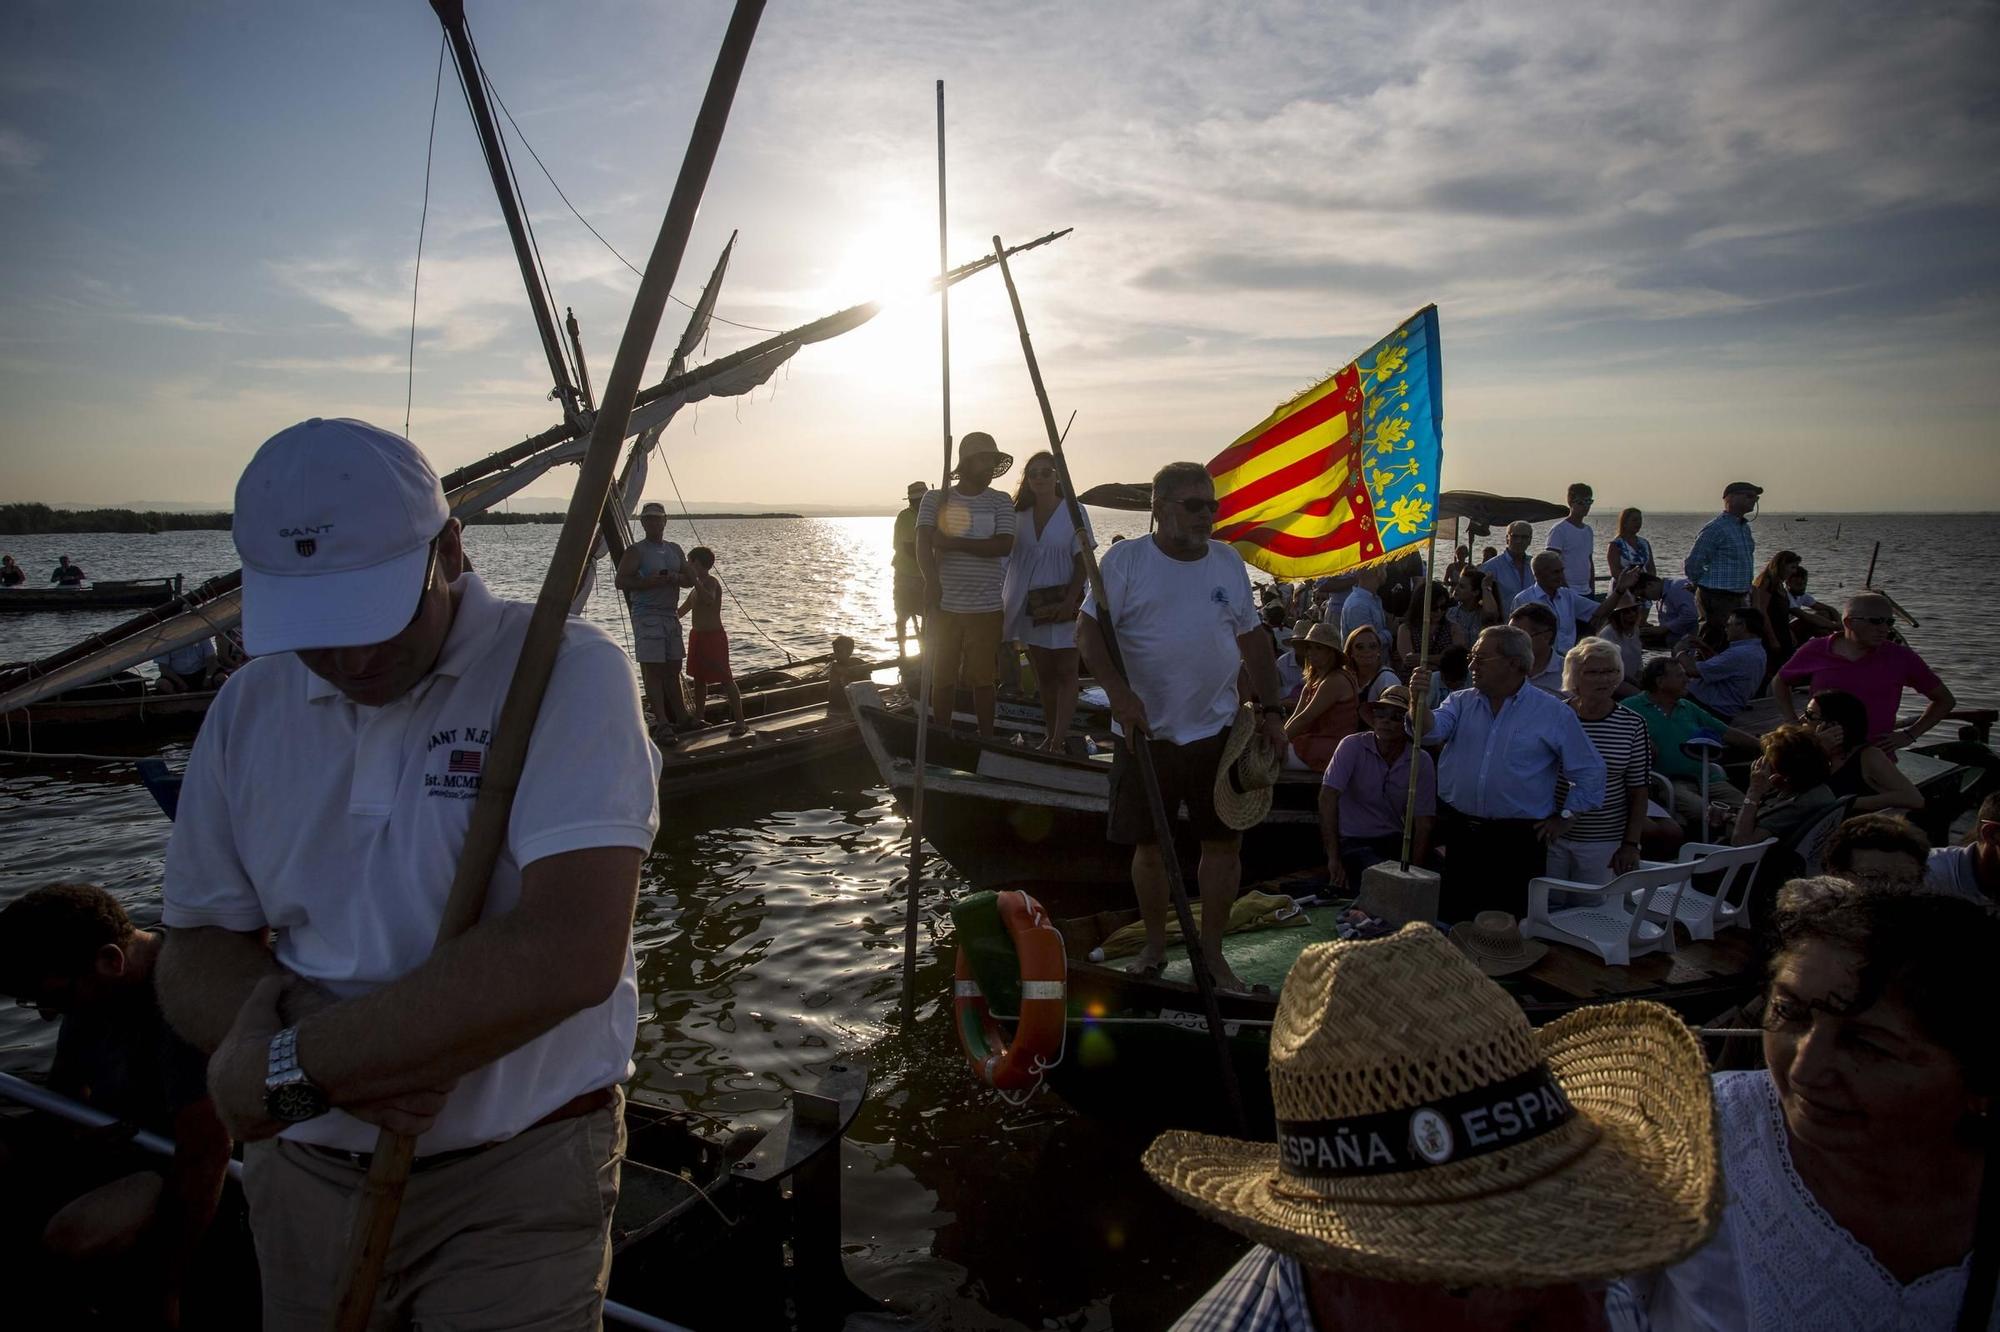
1492	939
1427	1134
979	444
1248	771
1324	635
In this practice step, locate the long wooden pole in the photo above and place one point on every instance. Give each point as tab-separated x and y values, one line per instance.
1418	714
925	638
1142	752
382	1191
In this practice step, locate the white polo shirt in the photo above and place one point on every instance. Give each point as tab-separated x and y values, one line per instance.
339	826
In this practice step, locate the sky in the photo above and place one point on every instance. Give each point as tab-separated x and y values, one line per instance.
1671	245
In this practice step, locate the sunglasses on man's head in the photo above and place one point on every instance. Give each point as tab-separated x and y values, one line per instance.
1196	505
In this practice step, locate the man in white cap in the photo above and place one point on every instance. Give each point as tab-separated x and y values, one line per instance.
1440	1165
964	535
323	815
651	574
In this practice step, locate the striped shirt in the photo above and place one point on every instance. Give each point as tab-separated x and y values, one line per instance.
969	584
1724	558
1622	741
1266	1292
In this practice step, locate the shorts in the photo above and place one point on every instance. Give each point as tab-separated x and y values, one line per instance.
656	638
967	647
1187	776
909	597
708	656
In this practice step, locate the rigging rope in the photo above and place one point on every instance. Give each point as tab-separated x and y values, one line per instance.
754	328
423	221
527	222
686	514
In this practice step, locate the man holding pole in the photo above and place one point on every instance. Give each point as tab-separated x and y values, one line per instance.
1186	624
327	800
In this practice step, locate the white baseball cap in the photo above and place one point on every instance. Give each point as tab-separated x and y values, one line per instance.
334	521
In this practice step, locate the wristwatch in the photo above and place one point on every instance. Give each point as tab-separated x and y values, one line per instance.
1264	709
289	1095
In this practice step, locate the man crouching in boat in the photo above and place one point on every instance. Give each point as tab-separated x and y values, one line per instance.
326	803
1186	626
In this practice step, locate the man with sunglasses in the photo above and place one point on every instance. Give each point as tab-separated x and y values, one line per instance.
327	804
1187	628
1864	661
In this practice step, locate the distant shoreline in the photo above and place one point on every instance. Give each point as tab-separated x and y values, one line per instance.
41	520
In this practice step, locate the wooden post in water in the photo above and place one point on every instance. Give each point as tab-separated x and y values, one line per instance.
1417	716
924	636
1142	753
382	1191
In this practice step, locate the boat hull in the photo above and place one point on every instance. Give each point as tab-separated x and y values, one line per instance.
137	594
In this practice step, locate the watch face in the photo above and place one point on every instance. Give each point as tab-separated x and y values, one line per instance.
294	1102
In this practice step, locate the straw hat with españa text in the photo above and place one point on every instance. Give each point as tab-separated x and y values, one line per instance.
979	444
334	522
1246	774
1427	1134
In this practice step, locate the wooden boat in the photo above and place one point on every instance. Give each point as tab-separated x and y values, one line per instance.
1004	813
1138	1053
692	1190
102	594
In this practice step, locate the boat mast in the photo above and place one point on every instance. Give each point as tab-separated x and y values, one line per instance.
451	13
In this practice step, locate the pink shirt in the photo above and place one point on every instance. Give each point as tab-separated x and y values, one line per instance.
1877	679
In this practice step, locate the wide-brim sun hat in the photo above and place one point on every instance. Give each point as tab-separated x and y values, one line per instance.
979	444
334	522
1492	939
1427	1134
1246	774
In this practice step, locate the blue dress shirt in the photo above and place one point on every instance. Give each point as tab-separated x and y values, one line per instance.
1568	605
1363	607
1730	679
1504	764
1508	580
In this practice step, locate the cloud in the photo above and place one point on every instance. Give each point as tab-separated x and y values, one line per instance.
182	322
20	158
378	364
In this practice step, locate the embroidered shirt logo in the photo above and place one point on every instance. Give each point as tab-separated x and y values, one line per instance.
1220	596
464	761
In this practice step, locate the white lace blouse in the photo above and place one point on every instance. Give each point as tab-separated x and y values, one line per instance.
1778	1261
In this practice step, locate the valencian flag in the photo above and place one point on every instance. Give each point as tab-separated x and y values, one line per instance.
1346	473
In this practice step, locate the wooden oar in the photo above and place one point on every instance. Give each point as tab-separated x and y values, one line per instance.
1142	753
382	1192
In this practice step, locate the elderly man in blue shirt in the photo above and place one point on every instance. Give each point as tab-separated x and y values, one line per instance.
1505	743
1723	561
1551	588
1727	681
1510	570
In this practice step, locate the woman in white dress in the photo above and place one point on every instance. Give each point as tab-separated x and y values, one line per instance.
1854	1163
1044	591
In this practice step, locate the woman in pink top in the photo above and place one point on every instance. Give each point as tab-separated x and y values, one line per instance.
1861	660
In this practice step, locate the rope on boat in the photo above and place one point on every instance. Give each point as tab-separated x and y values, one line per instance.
423	221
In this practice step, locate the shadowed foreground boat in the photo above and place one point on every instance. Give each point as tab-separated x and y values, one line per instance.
104	594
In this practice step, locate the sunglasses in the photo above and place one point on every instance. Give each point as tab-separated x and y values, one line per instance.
424	592
1037	473
1200	506
1873	619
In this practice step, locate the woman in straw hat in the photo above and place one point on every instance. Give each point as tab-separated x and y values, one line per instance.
1329	708
1440	1164
1854	1161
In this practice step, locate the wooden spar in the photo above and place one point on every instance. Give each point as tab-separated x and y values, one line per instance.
576	349
382	1191
924	635
1417	715
471	78
1149	779
818	330
1868	580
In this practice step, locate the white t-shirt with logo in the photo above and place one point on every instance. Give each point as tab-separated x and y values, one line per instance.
339	826
1177	623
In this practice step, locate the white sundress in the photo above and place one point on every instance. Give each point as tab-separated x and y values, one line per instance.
1040	561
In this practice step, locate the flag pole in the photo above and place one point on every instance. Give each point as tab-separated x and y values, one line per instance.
924	636
1149	779
1418	714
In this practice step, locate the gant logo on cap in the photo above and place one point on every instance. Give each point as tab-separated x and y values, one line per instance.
304	543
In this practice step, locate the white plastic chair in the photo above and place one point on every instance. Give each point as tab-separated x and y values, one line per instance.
1614	920
1702	914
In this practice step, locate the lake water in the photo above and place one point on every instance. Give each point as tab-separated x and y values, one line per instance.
770	921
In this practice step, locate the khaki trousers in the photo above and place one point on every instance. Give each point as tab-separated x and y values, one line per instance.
515	1237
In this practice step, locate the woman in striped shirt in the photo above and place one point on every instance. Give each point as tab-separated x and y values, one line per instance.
1604	842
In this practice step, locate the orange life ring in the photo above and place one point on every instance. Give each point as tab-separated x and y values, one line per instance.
1037	1046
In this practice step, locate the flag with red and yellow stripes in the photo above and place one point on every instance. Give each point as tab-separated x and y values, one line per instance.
1346	473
